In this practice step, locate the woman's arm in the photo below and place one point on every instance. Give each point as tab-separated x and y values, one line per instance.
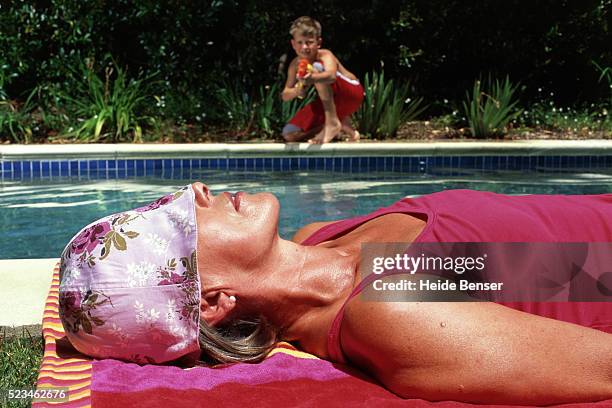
477	352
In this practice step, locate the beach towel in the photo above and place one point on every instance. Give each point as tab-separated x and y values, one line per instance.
287	377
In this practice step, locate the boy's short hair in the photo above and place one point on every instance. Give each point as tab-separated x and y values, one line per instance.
306	26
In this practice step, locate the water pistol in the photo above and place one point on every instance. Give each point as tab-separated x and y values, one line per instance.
304	68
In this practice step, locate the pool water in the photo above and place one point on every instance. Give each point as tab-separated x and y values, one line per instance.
38	218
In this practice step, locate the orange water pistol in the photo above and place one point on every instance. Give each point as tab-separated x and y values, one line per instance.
304	68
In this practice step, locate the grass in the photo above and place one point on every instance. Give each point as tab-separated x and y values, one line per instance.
20	358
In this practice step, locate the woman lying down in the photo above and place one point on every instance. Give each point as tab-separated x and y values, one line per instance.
203	277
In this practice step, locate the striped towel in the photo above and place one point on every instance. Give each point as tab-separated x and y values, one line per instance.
287	377
61	365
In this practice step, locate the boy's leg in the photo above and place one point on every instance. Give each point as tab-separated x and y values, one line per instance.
295	134
332	125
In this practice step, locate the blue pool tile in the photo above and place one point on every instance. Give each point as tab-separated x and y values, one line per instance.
267	163
139	166
378	163
45	169
468	162
302	163
6	166
157	165
26	168
121	164
16	170
74	167
555	162
130	164
337	166
186	164
608	161
64	169
35	169
102	165
276	163
356	165
55	169
424	163
83	167
249	164
601	162
149	166
405	164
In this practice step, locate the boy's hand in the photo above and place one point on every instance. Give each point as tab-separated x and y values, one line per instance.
300	89
307	80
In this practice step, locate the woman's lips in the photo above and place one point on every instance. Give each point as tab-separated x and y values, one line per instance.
237	198
234	198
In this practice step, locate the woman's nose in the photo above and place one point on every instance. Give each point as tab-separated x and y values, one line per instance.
202	193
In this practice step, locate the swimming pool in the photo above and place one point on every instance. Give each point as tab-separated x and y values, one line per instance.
38	216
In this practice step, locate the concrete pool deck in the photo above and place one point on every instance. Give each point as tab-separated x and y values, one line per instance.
26	282
25	285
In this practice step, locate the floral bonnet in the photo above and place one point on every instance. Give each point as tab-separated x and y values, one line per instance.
129	285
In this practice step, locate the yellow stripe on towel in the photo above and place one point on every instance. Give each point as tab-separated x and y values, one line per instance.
56	371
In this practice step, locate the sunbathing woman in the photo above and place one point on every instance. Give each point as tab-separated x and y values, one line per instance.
199	276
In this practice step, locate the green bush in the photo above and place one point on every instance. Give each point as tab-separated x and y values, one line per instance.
386	106
605	77
104	109
16	120
490	107
546	115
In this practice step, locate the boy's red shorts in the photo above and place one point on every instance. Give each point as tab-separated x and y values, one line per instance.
347	97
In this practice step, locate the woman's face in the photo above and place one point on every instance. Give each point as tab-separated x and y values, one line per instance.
235	232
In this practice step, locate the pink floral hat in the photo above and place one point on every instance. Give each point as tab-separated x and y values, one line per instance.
129	285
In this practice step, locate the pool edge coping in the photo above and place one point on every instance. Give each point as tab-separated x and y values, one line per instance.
229	150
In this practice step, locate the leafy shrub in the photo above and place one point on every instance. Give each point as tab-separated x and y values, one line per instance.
263	111
104	108
547	115
605	74
16	120
490	107
385	106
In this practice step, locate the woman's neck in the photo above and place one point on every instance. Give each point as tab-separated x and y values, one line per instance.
303	288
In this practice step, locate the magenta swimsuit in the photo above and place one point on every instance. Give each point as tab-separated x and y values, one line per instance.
476	216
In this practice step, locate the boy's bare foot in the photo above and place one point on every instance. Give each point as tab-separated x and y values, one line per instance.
329	132
352	135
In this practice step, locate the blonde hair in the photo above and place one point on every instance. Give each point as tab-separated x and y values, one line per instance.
241	341
306	26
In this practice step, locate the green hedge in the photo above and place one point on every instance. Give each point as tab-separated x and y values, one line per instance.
192	47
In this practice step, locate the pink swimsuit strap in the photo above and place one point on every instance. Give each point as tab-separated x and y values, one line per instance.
339	228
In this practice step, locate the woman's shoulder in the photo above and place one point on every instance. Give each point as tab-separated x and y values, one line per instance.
306	231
